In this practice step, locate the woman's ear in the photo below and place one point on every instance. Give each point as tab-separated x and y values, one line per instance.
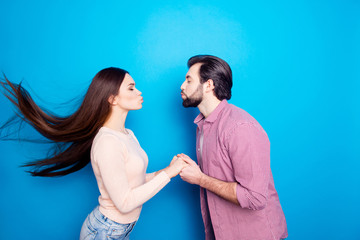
112	100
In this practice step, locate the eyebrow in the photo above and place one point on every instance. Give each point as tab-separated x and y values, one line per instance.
131	84
188	77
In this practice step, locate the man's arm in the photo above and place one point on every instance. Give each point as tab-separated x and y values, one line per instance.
192	174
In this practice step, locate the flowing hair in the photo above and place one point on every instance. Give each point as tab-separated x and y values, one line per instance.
72	135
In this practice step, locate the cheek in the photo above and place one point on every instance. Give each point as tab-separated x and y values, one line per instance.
129	101
188	89
127	96
192	90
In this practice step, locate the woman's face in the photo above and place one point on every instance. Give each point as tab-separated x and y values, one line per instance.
128	98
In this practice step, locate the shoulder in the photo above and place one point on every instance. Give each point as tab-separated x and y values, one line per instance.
131	133
107	139
234	116
238	121
238	115
105	135
107	146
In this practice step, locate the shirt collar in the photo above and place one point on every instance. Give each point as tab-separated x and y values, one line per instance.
213	116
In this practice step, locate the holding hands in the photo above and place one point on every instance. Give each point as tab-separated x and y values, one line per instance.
176	165
191	173
187	168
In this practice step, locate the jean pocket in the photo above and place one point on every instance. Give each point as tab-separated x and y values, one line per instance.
120	231
88	232
89	236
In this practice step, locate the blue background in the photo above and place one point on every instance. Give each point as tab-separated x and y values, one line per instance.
296	69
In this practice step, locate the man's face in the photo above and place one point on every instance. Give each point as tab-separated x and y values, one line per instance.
192	89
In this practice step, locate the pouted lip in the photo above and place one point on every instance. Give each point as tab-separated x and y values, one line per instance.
183	95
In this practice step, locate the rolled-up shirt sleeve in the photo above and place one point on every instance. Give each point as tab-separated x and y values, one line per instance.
249	151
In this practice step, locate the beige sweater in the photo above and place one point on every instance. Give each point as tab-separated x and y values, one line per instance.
119	165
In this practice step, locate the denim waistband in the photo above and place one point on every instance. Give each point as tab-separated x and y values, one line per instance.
105	220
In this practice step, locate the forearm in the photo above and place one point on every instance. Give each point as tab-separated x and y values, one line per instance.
225	190
135	197
150	176
176	165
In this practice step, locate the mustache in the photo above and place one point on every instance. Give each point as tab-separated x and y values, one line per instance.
182	92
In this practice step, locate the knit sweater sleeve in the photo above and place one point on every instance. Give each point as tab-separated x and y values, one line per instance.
110	155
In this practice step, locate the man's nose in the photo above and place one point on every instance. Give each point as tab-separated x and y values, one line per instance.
182	87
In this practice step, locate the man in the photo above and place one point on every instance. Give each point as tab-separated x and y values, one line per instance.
238	196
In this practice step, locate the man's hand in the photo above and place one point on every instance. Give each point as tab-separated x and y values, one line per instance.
175	166
192	173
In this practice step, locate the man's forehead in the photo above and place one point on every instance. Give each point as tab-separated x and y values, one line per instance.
194	70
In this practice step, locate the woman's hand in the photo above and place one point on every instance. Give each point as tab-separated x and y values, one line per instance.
175	167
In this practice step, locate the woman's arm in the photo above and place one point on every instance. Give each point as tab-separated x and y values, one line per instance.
110	156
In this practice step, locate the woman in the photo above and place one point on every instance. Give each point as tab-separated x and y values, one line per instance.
97	131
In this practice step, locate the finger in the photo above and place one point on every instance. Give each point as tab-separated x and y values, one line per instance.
183	154
185	157
189	161
184	169
185	164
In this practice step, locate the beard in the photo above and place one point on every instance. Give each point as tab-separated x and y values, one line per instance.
195	99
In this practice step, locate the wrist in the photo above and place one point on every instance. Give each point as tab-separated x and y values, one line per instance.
168	171
202	180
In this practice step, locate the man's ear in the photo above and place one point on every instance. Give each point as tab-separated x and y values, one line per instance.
209	85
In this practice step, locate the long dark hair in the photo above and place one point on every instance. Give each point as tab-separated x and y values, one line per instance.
72	135
216	69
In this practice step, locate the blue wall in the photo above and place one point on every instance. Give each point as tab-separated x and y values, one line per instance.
296	69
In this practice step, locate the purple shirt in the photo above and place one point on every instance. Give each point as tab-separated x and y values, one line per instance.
237	149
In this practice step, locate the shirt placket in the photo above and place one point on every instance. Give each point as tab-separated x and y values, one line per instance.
199	151
207	128
205	163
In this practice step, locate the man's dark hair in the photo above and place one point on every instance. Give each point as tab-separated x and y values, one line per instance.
216	69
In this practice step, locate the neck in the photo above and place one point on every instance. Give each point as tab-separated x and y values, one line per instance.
116	120
208	105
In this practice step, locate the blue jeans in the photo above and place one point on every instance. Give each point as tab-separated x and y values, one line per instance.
99	227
